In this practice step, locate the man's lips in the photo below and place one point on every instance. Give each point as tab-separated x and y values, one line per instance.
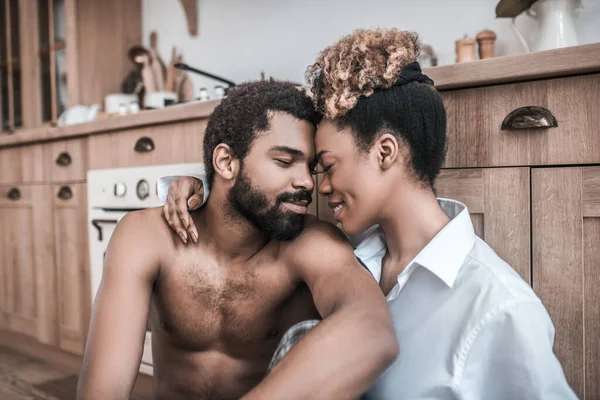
299	207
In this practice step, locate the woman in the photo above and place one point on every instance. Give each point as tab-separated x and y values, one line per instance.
468	326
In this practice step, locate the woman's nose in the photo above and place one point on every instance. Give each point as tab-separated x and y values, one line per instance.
325	185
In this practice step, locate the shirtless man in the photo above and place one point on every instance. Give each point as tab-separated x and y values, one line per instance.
219	305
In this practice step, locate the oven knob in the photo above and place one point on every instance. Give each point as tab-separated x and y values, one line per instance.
120	189
143	189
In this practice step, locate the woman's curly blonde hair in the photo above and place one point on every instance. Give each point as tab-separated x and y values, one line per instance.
357	65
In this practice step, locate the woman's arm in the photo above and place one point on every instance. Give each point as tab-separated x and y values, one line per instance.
181	194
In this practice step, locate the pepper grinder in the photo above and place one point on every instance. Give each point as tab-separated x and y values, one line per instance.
486	40
465	50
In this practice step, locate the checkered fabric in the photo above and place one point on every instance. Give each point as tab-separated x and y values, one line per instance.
290	338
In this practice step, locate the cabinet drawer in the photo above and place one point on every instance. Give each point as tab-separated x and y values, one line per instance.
155	145
475	118
17	196
22	164
66	160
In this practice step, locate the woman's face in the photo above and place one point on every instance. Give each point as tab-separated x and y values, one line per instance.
351	178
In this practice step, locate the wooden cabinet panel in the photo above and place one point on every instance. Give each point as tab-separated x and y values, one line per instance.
27	266
499	204
475	116
106	30
67	160
165	144
71	255
566	267
22	164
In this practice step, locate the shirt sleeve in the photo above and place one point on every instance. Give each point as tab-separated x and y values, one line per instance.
511	357
162	186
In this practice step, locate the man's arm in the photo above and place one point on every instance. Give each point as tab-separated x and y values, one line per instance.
115	341
510	357
344	354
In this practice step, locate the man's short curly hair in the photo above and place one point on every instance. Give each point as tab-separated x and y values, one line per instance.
246	111
354	84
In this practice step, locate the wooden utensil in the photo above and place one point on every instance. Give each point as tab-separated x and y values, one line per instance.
170	78
184	86
141	59
158	66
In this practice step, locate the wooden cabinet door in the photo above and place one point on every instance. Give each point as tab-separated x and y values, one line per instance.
72	266
499	203
566	267
178	143
27	274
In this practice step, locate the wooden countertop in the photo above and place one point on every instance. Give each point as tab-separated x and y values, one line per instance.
544	64
176	113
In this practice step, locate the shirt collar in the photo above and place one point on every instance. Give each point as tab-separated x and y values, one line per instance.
445	254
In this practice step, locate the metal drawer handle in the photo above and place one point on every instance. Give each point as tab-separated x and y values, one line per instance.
144	145
532	117
14	194
65	193
64	159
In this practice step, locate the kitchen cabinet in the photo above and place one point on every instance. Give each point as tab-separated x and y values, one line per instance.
22	164
476	137
44	274
59	53
566	267
27	275
534	197
66	160
499	204
71	259
153	145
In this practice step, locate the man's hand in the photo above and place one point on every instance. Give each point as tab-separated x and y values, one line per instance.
184	193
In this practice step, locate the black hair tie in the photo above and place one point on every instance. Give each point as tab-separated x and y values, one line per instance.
412	73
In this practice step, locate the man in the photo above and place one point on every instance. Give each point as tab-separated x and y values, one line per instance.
219	307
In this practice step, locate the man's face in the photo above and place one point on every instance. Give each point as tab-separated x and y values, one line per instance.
274	184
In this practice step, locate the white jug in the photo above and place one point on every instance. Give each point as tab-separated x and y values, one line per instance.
556	20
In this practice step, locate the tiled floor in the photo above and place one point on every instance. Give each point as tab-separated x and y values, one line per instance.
25	378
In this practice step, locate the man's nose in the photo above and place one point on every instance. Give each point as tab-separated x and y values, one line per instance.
304	182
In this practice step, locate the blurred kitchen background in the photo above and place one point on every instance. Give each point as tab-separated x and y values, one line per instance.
99	98
237	39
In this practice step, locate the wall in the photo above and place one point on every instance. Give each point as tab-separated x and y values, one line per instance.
239	38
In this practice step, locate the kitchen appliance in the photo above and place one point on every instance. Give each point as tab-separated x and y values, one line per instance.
556	20
112	193
219	90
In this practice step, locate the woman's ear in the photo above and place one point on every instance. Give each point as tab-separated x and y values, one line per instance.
224	162
387	150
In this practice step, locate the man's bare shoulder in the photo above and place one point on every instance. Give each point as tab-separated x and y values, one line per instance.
319	240
146	228
316	230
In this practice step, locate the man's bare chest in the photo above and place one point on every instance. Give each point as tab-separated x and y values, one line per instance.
203	306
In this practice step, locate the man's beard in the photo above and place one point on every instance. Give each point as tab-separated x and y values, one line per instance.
273	222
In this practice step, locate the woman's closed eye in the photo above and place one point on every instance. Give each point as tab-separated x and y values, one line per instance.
322	170
284	162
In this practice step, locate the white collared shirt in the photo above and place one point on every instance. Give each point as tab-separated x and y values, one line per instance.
469	327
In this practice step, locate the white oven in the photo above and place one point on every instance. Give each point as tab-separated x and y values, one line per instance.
112	193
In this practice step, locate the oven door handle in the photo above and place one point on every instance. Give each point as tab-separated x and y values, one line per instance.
97	222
